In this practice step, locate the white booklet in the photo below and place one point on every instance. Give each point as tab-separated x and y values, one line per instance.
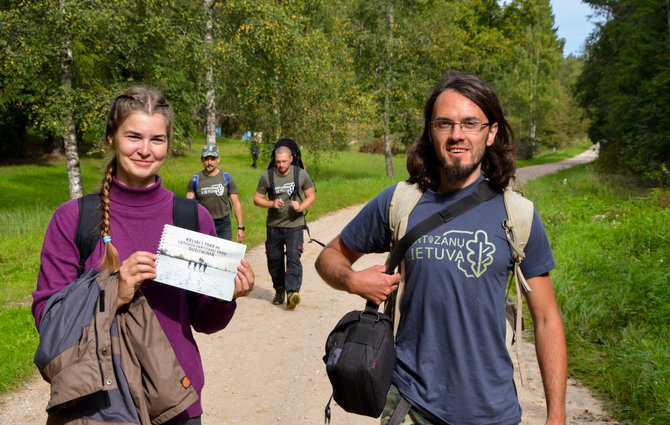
198	262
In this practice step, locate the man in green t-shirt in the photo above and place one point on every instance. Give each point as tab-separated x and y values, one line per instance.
216	190
285	224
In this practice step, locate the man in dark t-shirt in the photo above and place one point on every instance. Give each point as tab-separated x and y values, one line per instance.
216	190
285	224
452	364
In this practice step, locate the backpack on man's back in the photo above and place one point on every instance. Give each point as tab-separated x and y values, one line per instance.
295	152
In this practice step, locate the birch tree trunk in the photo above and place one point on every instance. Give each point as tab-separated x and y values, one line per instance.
534	81
210	126
388	154
70	137
276	109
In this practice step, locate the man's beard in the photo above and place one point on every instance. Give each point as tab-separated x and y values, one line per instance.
456	174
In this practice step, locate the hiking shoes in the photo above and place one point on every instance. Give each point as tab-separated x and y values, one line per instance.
293	300
279	297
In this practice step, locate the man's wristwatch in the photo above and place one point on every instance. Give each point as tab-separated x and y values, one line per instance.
240	227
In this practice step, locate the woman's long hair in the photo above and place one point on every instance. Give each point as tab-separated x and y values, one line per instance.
136	99
498	164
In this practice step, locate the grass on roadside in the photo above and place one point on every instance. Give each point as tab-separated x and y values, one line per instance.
555	156
17	349
611	242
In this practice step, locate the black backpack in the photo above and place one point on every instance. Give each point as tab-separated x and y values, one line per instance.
184	214
295	152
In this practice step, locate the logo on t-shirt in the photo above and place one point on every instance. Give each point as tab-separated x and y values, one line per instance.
217	189
287	188
471	251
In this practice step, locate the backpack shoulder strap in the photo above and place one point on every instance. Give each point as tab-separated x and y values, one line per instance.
88	231
194	179
185	213
518	224
226	180
296	182
271	180
404	199
519	221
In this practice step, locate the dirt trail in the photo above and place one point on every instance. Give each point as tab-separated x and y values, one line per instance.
265	368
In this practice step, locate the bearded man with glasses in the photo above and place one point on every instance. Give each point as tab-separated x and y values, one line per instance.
452	364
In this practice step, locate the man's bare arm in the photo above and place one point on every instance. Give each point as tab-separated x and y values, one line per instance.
310	196
260	201
334	265
237	208
549	345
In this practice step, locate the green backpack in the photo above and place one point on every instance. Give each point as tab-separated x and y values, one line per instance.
517	228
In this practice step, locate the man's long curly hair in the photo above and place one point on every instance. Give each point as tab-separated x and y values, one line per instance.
498	164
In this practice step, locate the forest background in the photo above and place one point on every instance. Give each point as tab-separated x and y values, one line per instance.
331	72
336	74
324	73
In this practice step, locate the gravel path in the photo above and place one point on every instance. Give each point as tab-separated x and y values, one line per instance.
265	368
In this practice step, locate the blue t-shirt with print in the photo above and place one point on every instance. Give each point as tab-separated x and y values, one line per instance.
452	359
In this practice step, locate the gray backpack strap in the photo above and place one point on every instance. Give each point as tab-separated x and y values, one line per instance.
404	199
517	228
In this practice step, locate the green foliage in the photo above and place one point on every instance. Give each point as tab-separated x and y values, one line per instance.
152	44
611	242
282	73
320	72
536	89
624	86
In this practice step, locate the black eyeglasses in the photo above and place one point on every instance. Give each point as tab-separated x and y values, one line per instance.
469	126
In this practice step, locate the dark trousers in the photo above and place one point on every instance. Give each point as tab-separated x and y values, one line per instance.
285	242
223	228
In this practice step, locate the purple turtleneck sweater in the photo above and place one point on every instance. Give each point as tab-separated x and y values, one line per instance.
137	218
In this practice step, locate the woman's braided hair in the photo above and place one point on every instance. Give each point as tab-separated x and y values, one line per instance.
136	99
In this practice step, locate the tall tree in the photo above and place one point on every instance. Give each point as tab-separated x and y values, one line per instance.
69	135
624	86
530	85
387	89
65	60
210	95
284	76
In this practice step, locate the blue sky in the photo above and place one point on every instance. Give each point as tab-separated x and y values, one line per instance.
571	18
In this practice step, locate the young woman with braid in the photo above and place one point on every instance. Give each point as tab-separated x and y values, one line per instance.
134	209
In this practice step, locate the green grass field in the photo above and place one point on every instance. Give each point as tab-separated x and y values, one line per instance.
611	242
